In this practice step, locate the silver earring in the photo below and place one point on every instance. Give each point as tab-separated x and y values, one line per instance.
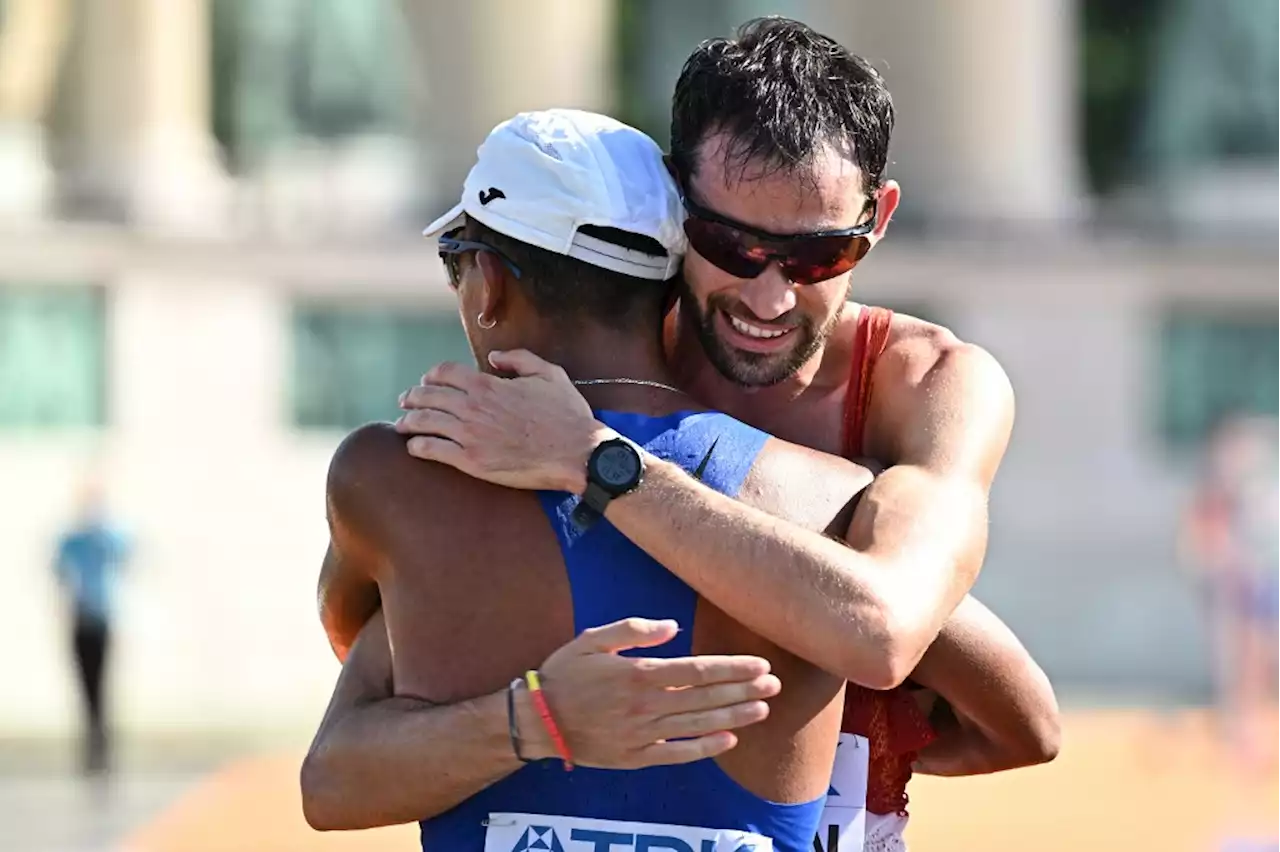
486	326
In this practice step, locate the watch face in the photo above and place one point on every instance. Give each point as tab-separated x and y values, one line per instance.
617	466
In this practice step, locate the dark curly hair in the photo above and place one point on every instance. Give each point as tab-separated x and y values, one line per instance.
781	91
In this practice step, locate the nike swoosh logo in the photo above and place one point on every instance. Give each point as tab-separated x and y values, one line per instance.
702	465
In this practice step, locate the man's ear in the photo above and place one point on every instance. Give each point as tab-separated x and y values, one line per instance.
495	275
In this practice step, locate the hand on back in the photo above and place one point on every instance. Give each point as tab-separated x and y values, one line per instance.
623	712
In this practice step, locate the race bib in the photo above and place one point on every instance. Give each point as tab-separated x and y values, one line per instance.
508	832
844	821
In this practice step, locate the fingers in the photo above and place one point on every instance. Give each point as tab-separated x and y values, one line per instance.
703	670
684	751
625	634
439	450
431	396
430	421
522	362
453	375
700	723
695	698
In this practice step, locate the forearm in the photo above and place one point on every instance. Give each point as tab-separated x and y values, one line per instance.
812	595
1000	709
963	747
965	750
401	760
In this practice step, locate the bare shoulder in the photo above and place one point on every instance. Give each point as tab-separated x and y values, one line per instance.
808	487
933	392
362	457
375	485
918	350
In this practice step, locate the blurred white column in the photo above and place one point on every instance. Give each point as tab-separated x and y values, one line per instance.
483	61
32	36
178	182
987	103
139	135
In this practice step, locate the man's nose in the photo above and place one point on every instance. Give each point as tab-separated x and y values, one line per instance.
769	295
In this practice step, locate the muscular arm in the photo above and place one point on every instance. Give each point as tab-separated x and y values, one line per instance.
347	594
347	598
866	609
383	760
1006	715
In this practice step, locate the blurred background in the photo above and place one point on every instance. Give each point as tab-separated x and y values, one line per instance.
210	269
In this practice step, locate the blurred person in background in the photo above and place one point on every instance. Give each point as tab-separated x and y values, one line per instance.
1231	538
90	556
780	141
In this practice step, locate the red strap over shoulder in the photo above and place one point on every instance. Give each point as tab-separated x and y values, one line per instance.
870	339
891	721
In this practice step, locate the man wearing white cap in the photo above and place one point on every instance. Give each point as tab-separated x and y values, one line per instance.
570	231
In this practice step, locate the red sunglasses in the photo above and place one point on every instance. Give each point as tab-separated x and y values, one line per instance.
745	252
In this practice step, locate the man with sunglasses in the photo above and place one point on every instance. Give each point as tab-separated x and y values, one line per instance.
779	142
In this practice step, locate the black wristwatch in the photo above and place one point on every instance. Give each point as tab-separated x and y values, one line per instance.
616	467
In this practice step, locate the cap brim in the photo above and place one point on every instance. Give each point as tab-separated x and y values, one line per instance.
442	224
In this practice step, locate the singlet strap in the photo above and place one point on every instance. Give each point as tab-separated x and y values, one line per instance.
892	722
870	338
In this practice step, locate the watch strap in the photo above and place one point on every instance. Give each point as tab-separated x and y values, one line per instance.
596	498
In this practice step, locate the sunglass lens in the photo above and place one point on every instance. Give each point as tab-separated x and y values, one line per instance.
820	258
724	248
804	260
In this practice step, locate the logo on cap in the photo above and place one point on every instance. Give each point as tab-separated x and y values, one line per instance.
487	195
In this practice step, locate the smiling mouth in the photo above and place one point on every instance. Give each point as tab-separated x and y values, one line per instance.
758	332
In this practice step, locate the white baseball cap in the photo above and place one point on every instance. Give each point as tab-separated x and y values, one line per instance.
541	176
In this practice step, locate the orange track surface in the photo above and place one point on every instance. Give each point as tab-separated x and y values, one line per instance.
1124	781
